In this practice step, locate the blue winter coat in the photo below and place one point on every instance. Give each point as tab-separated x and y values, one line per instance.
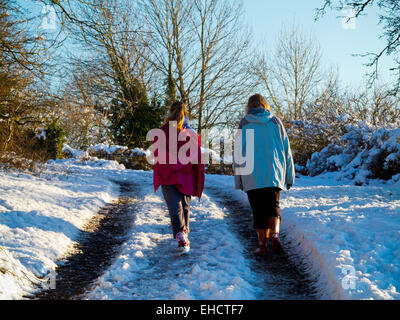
273	161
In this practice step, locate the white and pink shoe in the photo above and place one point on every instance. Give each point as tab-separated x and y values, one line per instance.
183	243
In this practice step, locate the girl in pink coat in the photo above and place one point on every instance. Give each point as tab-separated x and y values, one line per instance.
178	170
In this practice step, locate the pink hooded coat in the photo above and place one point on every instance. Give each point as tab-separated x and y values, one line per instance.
188	178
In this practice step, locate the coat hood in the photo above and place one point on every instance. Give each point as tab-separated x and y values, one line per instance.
259	115
186	123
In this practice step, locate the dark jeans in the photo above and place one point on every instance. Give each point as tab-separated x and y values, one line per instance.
178	207
265	204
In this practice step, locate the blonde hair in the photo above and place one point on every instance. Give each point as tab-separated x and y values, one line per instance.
177	112
257	101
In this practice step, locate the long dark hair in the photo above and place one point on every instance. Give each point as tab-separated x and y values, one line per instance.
257	101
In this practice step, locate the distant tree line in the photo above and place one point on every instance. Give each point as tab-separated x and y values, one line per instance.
110	70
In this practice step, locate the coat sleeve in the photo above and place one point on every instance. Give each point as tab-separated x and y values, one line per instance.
199	171
290	169
238	178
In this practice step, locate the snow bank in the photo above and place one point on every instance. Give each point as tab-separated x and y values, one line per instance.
40	217
349	235
140	152
364	154
70	152
108	148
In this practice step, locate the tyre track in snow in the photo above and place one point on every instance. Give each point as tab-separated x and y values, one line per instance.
159	272
96	248
101	243
280	276
149	266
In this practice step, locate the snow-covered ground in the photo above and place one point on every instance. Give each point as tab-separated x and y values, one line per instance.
41	215
149	266
349	235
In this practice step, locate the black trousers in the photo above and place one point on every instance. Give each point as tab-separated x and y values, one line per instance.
265	204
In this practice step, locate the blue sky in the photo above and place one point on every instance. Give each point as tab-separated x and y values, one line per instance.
266	18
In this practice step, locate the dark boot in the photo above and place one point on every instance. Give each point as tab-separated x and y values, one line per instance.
273	223
262	235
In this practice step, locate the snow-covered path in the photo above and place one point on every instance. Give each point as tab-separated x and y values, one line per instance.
342	240
283	277
219	267
96	248
149	266
348	235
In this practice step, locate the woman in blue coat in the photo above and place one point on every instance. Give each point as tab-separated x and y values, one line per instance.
272	169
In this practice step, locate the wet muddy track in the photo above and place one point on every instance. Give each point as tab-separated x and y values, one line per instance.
283	277
96	248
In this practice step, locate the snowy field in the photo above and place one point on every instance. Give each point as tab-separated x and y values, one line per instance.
349	236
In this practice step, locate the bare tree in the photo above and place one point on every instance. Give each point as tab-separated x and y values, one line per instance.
202	48
292	75
194	50
377	106
82	108
168	36
22	59
20	43
108	32
388	17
